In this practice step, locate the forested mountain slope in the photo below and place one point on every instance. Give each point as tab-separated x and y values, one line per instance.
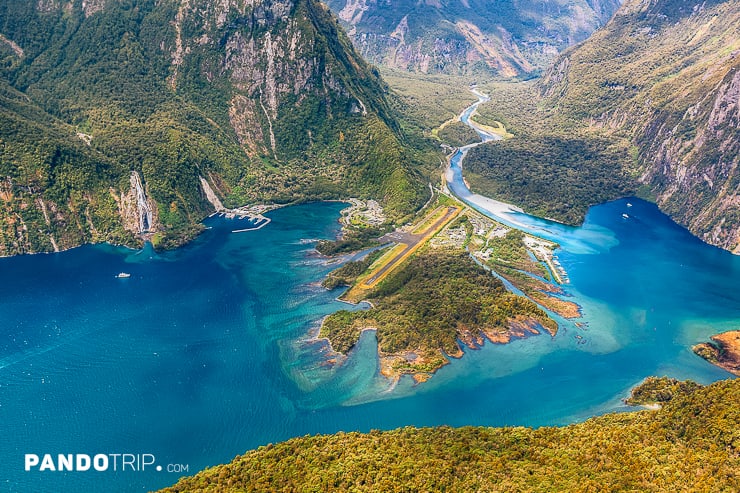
117	115
664	75
691	444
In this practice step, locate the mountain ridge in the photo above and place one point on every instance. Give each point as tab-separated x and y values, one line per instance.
510	38
665	76
647	106
266	101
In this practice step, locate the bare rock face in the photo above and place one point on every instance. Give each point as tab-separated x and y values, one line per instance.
89	7
723	351
695	174
265	50
92	6
276	57
145	206
138	211
438	36
242	115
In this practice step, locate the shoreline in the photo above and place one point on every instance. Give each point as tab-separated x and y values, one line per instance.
393	366
421	364
505	213
723	351
144	237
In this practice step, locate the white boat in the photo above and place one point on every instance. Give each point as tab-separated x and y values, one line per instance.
123	275
625	216
629	205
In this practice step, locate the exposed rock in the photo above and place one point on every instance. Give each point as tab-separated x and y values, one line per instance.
353	10
259	97
92	6
211	195
724	351
12	45
432	36
138	211
242	115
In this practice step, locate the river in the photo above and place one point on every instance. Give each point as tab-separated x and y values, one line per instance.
587	238
206	352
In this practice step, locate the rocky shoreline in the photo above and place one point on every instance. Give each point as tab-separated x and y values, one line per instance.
723	351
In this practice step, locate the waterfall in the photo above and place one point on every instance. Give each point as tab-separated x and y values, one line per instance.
142	204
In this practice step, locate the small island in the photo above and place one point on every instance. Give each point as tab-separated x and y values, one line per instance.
435	292
723	351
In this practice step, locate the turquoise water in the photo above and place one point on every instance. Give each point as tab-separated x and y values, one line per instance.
206	352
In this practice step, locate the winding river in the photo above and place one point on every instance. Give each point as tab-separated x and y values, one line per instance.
205	352
586	239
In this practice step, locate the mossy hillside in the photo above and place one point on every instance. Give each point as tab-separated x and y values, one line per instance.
661	79
457	134
642	107
551	176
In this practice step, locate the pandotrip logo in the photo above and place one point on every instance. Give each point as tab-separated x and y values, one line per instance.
98	463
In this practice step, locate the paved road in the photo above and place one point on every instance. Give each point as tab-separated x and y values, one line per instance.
401	237
410	240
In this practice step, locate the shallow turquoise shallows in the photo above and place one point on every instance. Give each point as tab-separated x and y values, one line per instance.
206	352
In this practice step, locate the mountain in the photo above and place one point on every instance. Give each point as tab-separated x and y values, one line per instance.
123	118
664	76
509	37
690	444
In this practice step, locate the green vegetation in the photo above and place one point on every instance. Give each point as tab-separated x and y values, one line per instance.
429	303
691	444
457	134
513	104
635	109
660	390
39	152
348	273
94	97
519	259
510	251
352	240
657	79
429	100
550	176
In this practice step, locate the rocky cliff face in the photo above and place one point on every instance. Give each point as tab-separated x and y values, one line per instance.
665	75
509	38
108	106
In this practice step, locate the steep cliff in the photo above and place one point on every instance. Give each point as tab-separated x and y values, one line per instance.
113	111
664	75
510	37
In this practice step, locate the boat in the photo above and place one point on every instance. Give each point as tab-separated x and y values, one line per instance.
629	205
625	216
123	275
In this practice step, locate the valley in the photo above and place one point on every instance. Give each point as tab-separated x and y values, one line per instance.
484	312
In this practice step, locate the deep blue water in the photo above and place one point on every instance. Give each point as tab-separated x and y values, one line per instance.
204	353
